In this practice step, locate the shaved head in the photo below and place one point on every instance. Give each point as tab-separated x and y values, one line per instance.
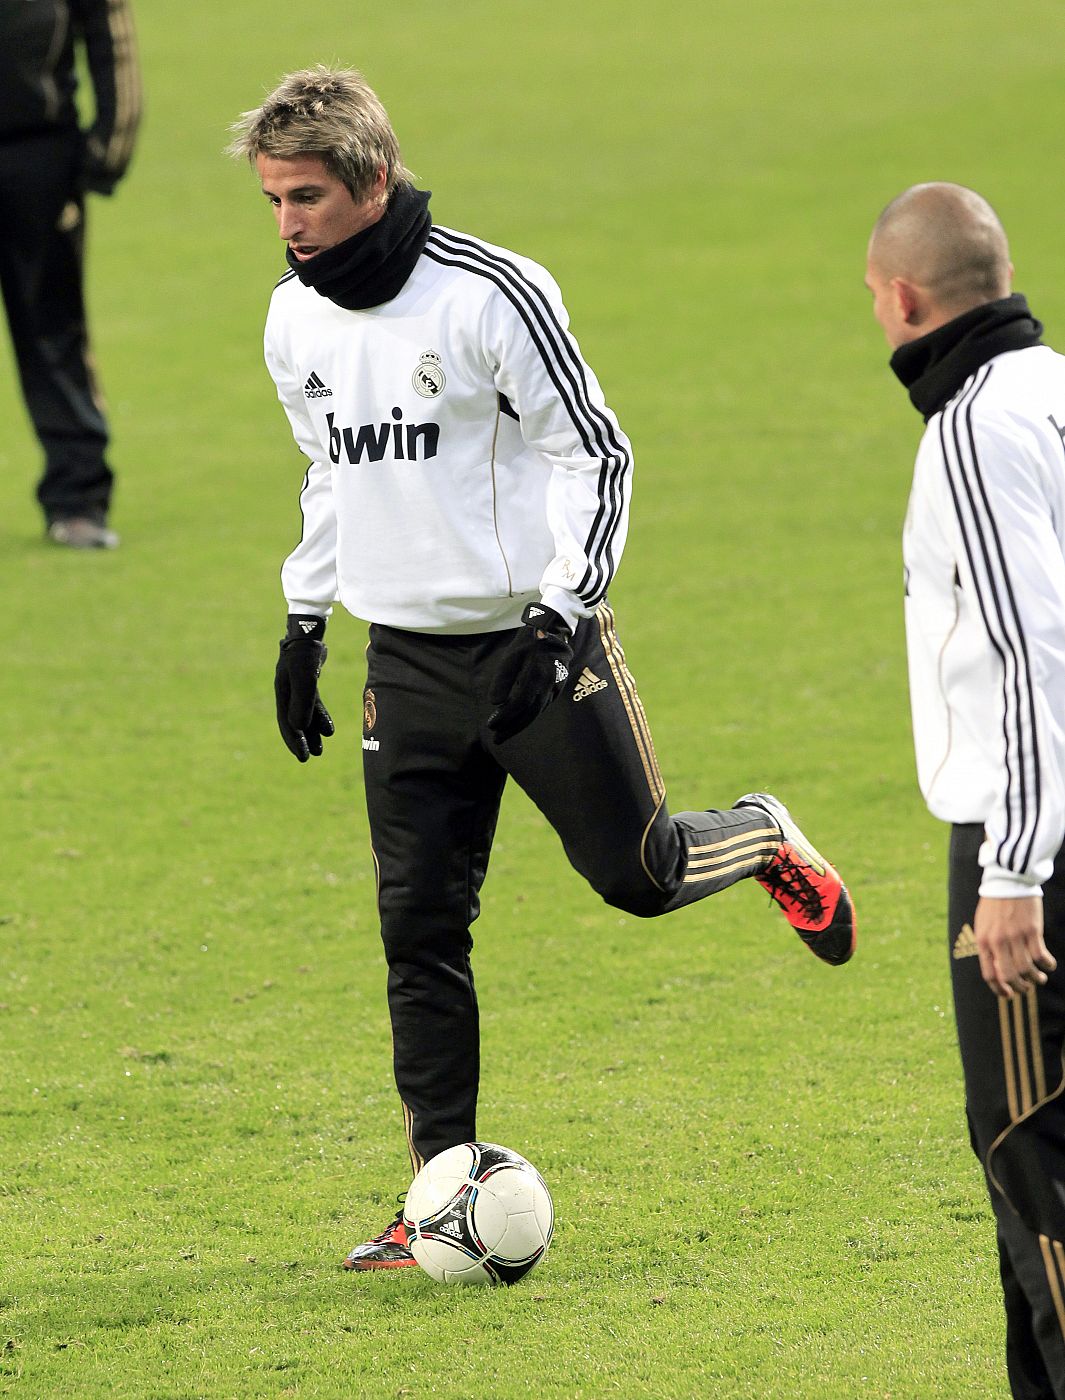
946	240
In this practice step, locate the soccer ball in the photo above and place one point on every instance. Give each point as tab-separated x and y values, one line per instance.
478	1213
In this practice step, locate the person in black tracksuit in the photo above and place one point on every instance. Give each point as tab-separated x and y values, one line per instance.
47	163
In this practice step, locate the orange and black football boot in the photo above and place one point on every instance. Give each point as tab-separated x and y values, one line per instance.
809	891
388	1250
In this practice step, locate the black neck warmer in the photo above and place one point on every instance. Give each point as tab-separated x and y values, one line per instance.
935	367
371	267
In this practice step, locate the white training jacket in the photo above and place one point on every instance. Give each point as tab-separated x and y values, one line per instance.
462	460
984	550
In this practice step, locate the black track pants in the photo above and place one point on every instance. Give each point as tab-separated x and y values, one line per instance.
1011	1055
41	262
434	779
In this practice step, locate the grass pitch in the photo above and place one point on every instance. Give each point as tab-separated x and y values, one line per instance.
759	1163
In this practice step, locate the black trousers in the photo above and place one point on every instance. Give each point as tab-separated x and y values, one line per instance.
1011	1055
434	779
41	267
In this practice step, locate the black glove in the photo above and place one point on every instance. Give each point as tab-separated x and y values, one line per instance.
302	718
93	171
532	672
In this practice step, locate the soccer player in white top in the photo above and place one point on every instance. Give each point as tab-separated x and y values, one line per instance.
467	494
984	553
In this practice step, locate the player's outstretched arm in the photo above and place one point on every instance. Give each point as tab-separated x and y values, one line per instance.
301	717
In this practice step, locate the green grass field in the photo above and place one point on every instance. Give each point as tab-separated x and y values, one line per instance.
759	1164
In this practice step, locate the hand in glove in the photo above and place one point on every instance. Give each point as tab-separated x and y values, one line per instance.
302	718
531	673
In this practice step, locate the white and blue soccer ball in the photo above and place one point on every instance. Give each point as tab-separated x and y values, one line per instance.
478	1213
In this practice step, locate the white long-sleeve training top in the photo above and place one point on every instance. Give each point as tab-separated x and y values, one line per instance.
463	461
984	552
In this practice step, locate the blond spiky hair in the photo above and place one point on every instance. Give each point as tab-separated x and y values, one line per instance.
331	113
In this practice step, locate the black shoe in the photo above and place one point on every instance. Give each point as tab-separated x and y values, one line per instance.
809	891
387	1250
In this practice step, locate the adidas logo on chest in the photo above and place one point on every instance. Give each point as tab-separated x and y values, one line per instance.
315	388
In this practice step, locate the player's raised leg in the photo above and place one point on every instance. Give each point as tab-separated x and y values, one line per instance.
589	764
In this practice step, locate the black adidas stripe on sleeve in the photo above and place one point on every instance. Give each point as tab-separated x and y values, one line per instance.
566	370
998	608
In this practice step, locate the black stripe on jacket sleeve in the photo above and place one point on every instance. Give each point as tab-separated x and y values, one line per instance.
997	602
566	370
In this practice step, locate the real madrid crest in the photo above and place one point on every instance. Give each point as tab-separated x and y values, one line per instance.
369	710
428	379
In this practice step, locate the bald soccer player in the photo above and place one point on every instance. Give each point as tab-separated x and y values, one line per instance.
984	552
